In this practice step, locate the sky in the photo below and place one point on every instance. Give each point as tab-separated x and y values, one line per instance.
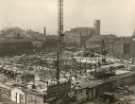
117	16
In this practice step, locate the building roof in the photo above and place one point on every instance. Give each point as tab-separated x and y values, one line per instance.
88	84
77	29
13	40
51	41
83	31
102	37
34	92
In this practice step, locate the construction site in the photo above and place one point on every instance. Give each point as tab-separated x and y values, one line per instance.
78	66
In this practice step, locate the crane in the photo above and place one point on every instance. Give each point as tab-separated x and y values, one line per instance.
60	39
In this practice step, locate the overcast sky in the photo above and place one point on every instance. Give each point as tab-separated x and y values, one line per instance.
117	16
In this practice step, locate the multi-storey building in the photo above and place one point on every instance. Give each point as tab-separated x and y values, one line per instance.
78	36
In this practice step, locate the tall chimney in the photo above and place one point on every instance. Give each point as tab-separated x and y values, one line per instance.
97	26
44	32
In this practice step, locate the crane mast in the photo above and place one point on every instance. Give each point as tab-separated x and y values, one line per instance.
60	39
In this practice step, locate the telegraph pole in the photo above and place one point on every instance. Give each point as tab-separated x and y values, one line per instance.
60	39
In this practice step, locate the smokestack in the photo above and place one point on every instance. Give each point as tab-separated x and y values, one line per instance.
44	32
97	27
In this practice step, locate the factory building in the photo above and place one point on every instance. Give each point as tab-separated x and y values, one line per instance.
95	43
124	48
78	36
15	46
50	43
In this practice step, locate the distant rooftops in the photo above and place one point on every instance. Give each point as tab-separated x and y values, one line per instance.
83	31
12	40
